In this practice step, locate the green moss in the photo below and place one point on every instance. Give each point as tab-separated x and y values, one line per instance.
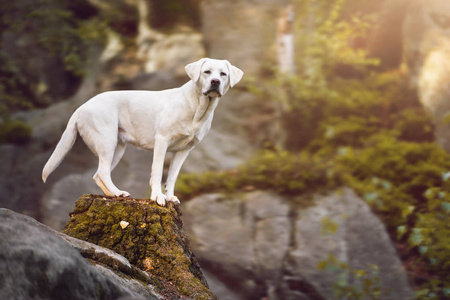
15	132
153	240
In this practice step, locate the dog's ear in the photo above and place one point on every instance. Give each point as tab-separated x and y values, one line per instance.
193	69
235	74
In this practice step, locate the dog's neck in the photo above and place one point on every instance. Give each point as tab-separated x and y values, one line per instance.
204	106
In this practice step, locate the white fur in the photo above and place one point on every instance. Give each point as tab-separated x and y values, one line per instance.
174	120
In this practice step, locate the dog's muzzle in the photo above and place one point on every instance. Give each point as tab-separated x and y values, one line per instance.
213	92
214	88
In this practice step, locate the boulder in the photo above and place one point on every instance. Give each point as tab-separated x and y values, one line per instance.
426	47
149	236
55	208
261	244
40	263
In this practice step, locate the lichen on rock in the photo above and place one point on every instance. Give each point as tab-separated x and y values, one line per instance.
153	240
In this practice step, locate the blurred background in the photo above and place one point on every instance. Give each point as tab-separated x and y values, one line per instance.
326	171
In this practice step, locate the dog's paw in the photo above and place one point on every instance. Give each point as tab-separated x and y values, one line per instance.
160	199
123	194
174	199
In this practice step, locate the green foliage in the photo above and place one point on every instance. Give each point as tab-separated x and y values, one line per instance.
14	92
406	184
356	284
15	132
326	40
52	25
281	171
39	39
337	97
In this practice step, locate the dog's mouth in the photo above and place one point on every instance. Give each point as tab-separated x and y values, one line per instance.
213	92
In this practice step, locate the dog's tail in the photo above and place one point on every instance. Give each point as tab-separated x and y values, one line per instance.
64	145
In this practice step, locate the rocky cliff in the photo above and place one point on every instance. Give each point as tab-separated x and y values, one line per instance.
139	251
261	244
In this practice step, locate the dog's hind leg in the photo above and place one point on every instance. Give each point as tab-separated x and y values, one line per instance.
109	155
100	133
103	176
101	185
118	153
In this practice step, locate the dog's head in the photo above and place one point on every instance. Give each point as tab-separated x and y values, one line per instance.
213	77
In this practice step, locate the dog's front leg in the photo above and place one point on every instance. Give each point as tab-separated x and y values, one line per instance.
159	152
175	167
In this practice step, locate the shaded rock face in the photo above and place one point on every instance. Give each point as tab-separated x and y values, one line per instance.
173	52
241	31
427	53
386	40
40	263
149	236
262	244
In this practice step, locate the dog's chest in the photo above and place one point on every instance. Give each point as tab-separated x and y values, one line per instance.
189	137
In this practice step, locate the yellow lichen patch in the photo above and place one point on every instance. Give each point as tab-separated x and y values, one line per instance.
124	224
148	263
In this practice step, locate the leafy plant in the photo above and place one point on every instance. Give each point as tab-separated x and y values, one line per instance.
354	284
57	34
277	170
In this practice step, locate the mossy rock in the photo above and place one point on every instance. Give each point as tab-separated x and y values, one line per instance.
151	237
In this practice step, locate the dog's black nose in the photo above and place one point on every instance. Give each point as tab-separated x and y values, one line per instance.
215	82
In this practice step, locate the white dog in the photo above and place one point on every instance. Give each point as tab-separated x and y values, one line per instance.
174	120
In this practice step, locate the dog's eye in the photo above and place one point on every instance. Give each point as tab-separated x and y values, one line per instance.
223	74
207	72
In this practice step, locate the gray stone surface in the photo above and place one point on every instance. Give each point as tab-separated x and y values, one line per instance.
261	244
40	263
